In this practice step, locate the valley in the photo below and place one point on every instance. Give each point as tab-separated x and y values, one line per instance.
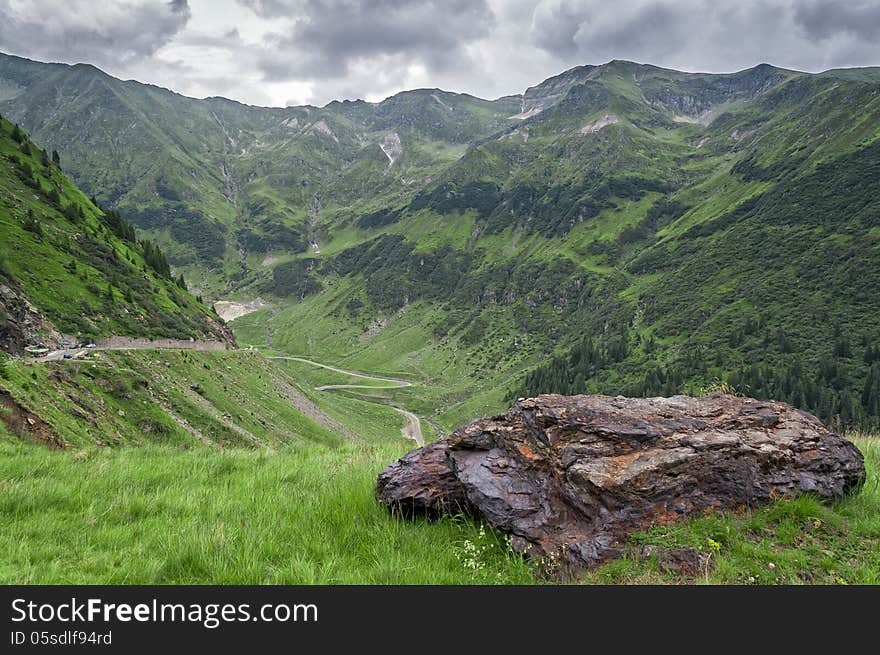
364	384
680	229
284	300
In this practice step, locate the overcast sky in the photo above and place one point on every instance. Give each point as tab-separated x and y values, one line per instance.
284	52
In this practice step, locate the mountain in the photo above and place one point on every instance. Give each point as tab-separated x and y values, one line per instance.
72	271
214	180
619	228
69	268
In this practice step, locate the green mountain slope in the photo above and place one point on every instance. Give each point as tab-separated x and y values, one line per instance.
215	181
229	399
646	234
69	268
619	228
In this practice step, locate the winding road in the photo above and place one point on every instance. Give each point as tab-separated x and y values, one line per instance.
412	431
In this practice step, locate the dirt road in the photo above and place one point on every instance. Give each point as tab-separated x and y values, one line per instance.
354	374
129	343
412	431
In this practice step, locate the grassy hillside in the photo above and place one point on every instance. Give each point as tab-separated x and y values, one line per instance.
220	184
83	271
649	232
618	229
231	399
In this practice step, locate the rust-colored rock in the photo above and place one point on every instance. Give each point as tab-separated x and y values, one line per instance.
569	477
422	483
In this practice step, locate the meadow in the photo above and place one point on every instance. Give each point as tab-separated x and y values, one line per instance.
306	514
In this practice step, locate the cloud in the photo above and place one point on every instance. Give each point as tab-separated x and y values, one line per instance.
271	8
708	35
326	38
824	20
314	51
108	34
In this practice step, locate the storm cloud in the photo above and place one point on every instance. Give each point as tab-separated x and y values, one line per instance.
327	36
313	51
711	36
825	20
104	34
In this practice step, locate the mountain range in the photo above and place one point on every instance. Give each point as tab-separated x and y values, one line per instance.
620	228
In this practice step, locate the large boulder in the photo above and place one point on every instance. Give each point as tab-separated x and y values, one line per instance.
570	477
422	482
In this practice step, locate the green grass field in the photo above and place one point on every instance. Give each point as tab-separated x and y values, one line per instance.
306	514
226	398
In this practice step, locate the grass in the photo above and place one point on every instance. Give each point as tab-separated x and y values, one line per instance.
306	514
160	515
370	419
298	507
82	276
229	398
796	541
455	383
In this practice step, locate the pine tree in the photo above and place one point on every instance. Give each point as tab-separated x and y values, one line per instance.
32	224
56	159
871	391
155	259
73	212
841	348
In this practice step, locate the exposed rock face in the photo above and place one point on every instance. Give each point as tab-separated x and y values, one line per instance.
423	483
22	324
570	477
392	147
552	90
595	126
229	310
25	424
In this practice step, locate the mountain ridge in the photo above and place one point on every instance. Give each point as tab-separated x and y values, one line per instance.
646	231
869	71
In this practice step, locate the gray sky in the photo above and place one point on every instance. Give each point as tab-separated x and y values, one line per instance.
282	52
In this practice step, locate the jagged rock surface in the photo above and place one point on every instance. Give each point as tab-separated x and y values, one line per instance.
569	477
422	483
22	324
